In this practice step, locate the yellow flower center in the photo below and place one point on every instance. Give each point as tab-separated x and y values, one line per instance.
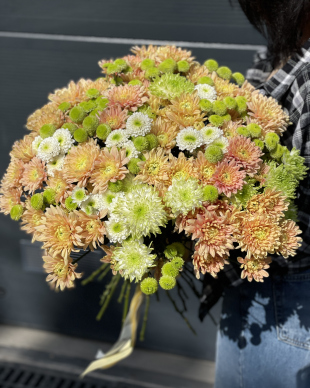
61	233
261	233
33	175
208	171
163	139
81	163
153	168
112	122
60	269
90	226
253	266
108	170
181	174
186	105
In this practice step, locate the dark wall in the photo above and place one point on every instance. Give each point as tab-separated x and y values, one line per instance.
32	66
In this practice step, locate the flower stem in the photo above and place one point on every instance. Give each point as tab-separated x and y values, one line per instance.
145	316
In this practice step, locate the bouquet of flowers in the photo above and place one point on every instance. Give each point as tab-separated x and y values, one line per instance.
165	164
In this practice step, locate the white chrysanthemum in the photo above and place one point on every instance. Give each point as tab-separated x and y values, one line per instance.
36	143
88	206
183	195
131	151
64	138
142	210
117	138
48	149
56	164
133	259
79	195
117	231
106	200
209	134
189	139
138	124
221	142
99	202
206	91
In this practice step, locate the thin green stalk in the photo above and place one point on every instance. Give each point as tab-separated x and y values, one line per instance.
114	282
181	313
94	274
104	273
122	293
126	302
145	316
81	257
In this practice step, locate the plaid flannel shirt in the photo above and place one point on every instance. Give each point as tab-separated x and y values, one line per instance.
290	86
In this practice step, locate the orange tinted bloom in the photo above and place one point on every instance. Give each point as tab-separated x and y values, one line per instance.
34	175
254	269
114	116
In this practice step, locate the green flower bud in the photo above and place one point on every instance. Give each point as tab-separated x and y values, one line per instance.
103	131
216	120
101	102
71	127
49	195
255	130
205	80
141	143
219	108
277	152
77	114
167	282
271	140
80	135
88	106
183	66
259	143
121	63
152	140
170	251
133	165
243	131
230	102
170	270
180	248
238	78
47	130
95	112
113	68
210	193
167	66
70	205
214	154
92	93
147	63
211	64
91	123
241	104
149	286
135	82
226	118
224	72
16	212
151	72
178	262
64	106
36	201
205	105
115	187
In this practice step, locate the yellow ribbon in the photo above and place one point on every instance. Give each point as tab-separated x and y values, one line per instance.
126	341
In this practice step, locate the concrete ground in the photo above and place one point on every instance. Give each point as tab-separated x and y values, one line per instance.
66	354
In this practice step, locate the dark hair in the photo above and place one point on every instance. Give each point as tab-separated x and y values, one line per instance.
281	22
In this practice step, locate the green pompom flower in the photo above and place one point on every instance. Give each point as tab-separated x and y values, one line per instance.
167	282
224	72
113	68
230	102
259	143
135	82
241	104
205	105
70	127
167	66
216	120
103	131
255	130
178	262
91	123
16	212
219	108
277	152
211	64
205	80
171	86
47	130
147	63
214	154
133	166
92	93
243	131
64	106
149	286
80	135
170	251
271	141
115	187
170	270
238	78
246	193
183	66
77	114
49	195
179	247
210	193
88	106
152	140
36	201
294	164
151	72
101	103
121	63
70	205
141	143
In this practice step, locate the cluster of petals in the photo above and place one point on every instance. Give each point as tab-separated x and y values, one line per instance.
254	268
127	97
228	178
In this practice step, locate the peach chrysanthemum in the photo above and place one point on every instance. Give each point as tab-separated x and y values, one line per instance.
22	149
135	74
73	93
79	163
9	198
289	240
13	174
133	61
245	153
100	84
145	51
61	272
31	218
107	258
246	90
229	128
93	230
48	114
205	169
267	113
154	170
259	236
60	232
166	133
228	178
34	175
196	72
159	106
109	167
254	269
180	167
127	96
60	185
176	53
270	203
214	233
204	263
114	116
223	87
